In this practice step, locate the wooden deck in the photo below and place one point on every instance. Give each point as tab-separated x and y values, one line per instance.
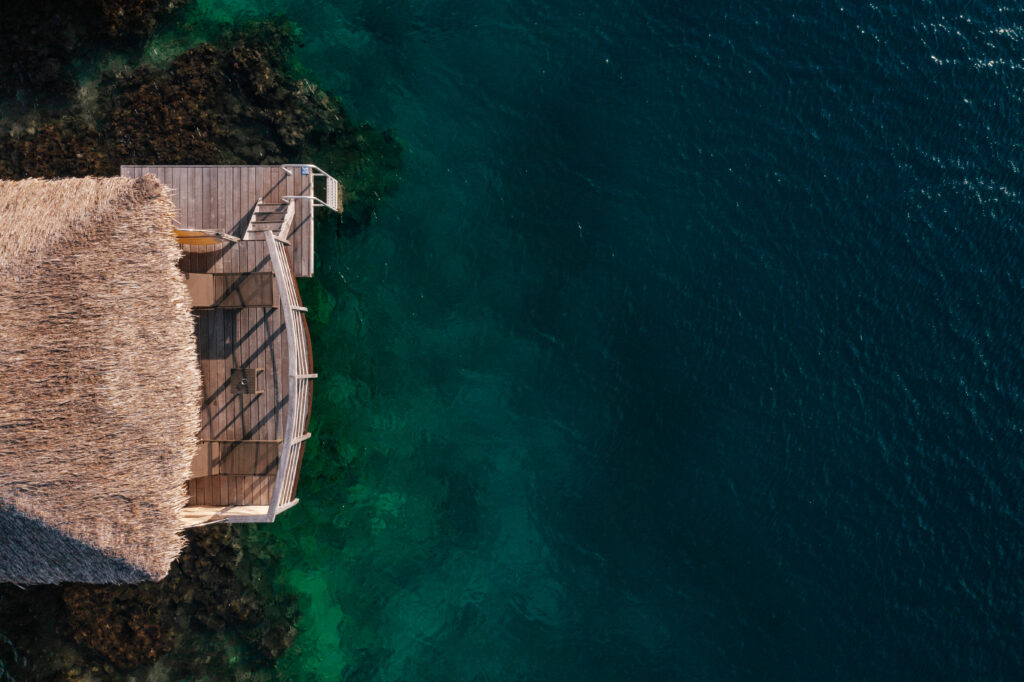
244	433
240	338
222	198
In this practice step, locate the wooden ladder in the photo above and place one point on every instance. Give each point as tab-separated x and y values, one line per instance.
275	217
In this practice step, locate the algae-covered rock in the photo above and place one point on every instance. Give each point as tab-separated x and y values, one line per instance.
41	39
215	601
235	101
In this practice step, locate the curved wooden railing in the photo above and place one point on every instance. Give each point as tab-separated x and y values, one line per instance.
300	376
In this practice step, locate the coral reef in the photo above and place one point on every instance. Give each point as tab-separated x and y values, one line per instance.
238	99
214	592
42	38
233	102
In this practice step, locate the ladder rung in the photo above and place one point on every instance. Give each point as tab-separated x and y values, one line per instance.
302	438
307	376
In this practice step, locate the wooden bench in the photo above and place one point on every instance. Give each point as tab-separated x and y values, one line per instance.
243	457
232	289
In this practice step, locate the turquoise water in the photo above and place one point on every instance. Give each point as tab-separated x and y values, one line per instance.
686	349
448	421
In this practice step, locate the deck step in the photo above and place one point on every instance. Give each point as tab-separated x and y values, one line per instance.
274	217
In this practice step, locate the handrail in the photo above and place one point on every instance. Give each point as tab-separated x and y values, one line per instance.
299	371
316	200
333	200
317	168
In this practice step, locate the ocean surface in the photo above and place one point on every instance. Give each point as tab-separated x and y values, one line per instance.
688	348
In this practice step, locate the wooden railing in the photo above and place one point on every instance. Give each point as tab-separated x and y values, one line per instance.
300	376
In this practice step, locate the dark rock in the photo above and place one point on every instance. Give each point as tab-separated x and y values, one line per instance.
233	102
214	598
42	38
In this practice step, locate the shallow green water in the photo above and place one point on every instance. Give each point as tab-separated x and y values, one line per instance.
419	484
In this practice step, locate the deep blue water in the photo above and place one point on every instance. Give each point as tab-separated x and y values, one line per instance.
689	347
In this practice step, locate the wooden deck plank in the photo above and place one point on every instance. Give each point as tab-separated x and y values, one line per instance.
234	416
188	197
227	219
260	177
269	346
199	189
209	201
260	183
206	362
213	390
216	208
244	346
250	254
277	183
184	216
262	490
196	183
247	197
256	355
244	195
222	403
234	402
264	402
236	201
213	386
255	188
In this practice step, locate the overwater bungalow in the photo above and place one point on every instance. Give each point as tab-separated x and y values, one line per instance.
155	361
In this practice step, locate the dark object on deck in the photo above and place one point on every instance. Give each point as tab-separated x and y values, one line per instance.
246	381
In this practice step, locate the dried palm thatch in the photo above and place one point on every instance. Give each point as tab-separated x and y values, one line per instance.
99	405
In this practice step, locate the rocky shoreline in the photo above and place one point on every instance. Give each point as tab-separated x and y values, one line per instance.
232	101
217	609
235	100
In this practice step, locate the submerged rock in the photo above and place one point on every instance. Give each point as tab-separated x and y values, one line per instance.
216	603
236	100
43	38
232	102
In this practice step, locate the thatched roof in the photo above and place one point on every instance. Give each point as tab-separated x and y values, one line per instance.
99	381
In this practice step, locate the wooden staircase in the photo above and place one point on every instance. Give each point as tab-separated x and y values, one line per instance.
275	217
